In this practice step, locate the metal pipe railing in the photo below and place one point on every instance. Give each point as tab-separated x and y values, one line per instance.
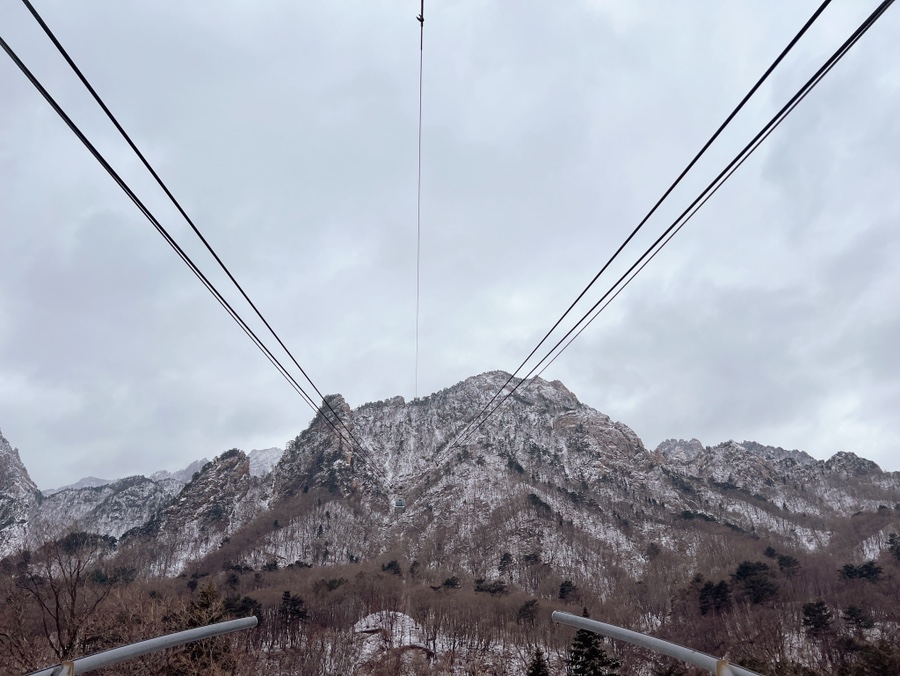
718	666
109	657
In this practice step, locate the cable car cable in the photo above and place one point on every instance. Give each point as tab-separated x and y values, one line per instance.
172	243
697	203
174	201
636	273
718	182
421	20
665	195
187	218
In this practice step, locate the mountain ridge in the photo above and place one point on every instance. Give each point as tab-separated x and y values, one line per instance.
544	465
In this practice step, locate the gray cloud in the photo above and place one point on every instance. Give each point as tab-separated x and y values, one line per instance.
289	133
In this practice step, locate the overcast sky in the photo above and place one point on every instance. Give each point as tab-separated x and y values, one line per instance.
288	131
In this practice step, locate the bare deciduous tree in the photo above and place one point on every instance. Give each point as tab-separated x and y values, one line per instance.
68	580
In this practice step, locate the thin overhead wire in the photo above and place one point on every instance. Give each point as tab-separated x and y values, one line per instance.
684	217
144	210
717	183
421	20
639	269
664	196
180	209
185	258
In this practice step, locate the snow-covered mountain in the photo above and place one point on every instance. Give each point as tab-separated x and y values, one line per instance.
111	509
263	461
107	506
181	475
546	481
18	497
84	482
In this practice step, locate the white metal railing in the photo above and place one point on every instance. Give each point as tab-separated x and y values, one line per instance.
109	657
718	666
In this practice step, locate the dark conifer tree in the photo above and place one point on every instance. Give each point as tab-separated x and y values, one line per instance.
567	590
293	608
894	545
587	656
858	618
817	618
212	655
538	665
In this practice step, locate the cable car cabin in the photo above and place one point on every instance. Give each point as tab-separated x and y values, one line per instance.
399	505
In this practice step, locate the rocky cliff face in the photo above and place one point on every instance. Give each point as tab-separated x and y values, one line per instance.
546	480
182	475
18	498
219	499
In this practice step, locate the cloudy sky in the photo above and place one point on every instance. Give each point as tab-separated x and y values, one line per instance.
288	131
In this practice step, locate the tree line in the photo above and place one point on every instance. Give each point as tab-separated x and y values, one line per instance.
778	612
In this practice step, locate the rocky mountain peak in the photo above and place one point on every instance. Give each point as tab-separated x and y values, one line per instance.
84	482
182	475
12	471
778	454
332	404
262	460
680	450
202	515
6	450
849	464
337	402
224	473
18	497
542	461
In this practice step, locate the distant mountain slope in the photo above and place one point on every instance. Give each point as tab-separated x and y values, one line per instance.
84	482
111	509
182	475
545	481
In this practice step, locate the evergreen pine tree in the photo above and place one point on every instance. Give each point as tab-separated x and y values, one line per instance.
858	618
292	613
293	608
817	618
538	665
212	655
587	656
894	545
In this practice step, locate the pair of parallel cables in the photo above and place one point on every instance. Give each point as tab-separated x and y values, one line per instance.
562	344
326	410
566	340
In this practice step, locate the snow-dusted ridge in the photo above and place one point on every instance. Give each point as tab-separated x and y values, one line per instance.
182	475
84	482
263	461
551	480
18	498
